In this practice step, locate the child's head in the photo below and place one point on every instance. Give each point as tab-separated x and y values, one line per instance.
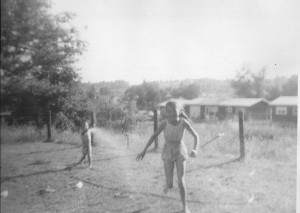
172	110
85	125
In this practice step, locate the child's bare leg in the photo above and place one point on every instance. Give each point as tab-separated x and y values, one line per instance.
82	158
180	165
89	154
75	164
169	171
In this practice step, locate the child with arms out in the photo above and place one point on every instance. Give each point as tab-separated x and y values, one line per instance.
87	141
174	150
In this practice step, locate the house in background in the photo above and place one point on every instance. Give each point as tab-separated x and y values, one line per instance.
284	108
6	117
253	108
202	108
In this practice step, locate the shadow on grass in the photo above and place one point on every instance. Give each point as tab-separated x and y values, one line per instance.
38	162
48	151
218	165
141	210
4	179
160	196
68	143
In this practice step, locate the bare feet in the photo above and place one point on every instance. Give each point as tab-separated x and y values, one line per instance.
186	210
167	190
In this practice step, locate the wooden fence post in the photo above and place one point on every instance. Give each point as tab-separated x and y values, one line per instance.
155	119
241	134
93	119
49	121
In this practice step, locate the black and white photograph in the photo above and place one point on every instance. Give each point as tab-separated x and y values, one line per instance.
149	106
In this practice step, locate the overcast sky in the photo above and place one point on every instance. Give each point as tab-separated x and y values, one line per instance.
136	40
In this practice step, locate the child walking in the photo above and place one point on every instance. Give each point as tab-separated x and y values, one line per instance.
174	150
87	140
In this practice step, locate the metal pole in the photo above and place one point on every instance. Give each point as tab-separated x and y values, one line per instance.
241	134
155	119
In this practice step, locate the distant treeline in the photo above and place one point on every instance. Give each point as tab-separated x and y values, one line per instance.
41	85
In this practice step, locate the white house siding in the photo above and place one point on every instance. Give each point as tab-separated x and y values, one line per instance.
211	111
195	111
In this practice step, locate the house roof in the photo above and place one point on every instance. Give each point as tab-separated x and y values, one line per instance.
203	101
179	101
285	101
242	102
239	102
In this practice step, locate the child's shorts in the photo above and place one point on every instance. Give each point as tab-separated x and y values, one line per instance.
174	151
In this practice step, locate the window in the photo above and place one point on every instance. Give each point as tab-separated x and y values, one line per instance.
229	110
206	110
242	109
195	111
281	110
295	111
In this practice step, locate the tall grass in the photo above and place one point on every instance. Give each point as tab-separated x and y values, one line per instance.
26	133
276	141
265	140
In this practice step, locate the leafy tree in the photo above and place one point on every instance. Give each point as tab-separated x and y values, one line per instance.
38	52
291	86
104	91
146	95
274	87
250	85
259	84
273	92
91	94
243	83
189	91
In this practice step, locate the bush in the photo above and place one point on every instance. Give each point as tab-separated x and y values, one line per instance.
62	123
27	133
119	117
13	134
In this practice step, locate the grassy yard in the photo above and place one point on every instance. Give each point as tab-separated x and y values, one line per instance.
33	172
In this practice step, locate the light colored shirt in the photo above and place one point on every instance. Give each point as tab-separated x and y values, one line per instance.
174	147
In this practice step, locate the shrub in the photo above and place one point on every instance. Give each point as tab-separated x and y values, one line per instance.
26	134
119	117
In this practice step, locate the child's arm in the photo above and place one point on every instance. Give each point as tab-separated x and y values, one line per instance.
193	132
151	139
90	136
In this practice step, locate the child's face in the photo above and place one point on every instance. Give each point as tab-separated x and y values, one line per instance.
85	126
172	113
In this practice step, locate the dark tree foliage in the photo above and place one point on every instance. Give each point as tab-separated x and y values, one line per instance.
243	84
250	85
189	91
146	95
291	86
38	52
